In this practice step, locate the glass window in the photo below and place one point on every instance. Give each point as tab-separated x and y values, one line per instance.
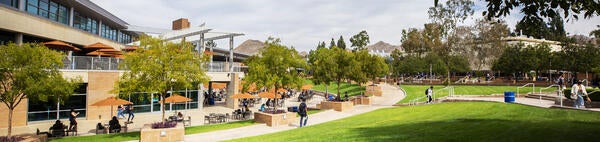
32	9
53	8
43	5
32	2
12	3
46	110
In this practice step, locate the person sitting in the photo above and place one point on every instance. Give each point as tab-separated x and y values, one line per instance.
58	129
113	125
262	108
179	116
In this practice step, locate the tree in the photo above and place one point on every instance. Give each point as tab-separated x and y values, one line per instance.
211	44
542	8
487	45
31	71
160	66
344	66
341	43
320	63
360	40
445	19
321	45
332	43
275	66
596	34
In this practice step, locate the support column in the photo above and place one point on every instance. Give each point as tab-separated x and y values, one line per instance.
19	38
21	5
99	28
211	58
230	54
71	13
232	88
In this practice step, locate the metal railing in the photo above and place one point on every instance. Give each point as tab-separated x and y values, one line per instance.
553	85
532	90
109	63
450	90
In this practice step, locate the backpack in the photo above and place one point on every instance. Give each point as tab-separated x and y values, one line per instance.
426	91
301	109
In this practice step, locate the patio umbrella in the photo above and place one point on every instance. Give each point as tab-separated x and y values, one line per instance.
96	53
59	45
97	46
130	48
243	96
219	85
269	95
209	53
306	87
176	99
108	50
111	101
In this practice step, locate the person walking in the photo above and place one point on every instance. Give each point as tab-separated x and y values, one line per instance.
302	110
429	93
578	92
561	83
72	120
129	110
120	111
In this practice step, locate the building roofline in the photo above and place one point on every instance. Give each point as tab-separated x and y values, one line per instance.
101	11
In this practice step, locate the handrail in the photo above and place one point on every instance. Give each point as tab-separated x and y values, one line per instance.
533	90
450	93
553	85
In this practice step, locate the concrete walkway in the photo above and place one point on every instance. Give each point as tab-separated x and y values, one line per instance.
391	95
520	100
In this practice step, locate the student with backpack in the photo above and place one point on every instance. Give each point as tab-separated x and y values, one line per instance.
429	93
129	110
302	109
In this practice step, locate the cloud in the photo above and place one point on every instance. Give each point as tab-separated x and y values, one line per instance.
299	23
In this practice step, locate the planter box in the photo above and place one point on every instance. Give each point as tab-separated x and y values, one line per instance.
275	119
337	106
362	101
147	134
373	91
34	138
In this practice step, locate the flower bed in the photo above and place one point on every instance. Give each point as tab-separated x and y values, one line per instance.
161	134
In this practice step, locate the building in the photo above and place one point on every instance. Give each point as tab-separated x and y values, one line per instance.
81	23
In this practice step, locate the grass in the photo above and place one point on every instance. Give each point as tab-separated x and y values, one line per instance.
136	135
464	121
416	91
352	89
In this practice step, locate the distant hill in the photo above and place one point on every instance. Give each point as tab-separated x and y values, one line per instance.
386	47
250	47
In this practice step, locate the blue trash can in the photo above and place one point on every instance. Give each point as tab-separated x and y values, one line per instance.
509	97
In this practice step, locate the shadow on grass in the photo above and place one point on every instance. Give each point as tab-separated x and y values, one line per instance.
482	130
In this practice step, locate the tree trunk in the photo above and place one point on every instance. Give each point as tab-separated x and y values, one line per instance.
338	90
10	112
163	106
448	77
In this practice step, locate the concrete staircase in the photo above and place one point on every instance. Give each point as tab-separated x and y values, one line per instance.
550	97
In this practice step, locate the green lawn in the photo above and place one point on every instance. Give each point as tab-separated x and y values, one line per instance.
416	91
136	135
352	89
465	121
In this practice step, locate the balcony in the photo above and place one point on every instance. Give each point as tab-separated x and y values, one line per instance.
110	63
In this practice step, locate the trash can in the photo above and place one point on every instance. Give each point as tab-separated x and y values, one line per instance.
211	101
509	97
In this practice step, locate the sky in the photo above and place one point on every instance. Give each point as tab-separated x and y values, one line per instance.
298	23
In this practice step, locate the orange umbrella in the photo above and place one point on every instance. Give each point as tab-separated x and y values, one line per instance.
219	85
176	99
96	53
243	96
130	48
280	90
306	87
269	95
111	101
108	50
97	46
209	53
59	45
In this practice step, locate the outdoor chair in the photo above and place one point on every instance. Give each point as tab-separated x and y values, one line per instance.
187	122
207	119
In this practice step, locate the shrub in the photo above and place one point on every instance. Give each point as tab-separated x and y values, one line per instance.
10	139
160	125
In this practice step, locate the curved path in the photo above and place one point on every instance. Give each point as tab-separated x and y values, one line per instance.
391	95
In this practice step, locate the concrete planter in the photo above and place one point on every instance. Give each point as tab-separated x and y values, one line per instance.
337	106
373	91
362	101
275	119
147	134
